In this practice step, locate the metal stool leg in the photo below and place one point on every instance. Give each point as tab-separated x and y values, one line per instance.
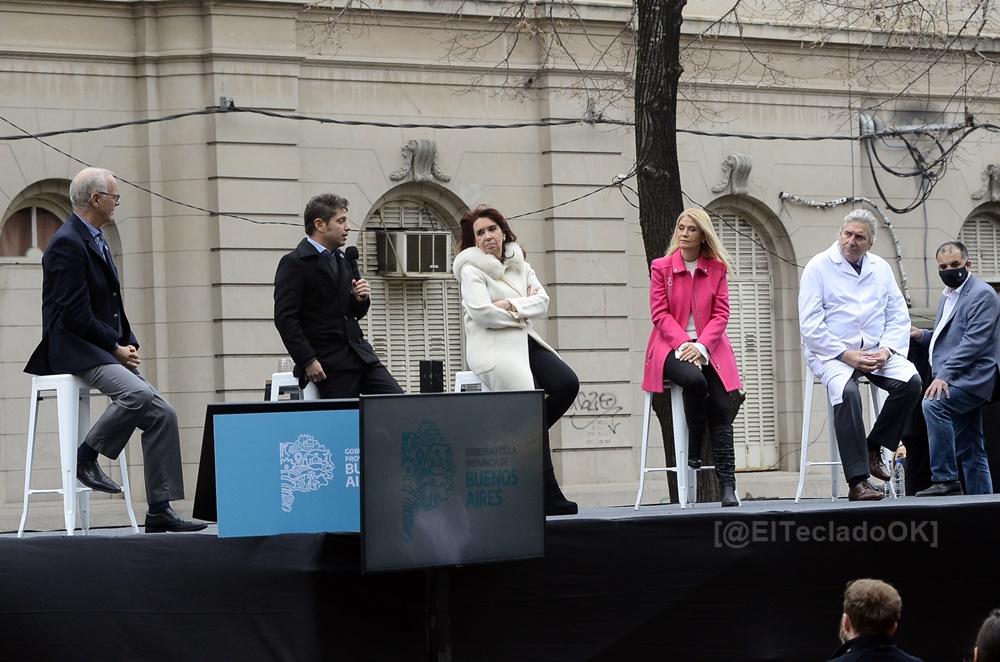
807	397
83	425
647	406
127	492
686	477
808	385
835	463
67	402
680	443
32	429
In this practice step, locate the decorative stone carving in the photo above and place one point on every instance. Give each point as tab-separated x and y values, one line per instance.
991	184
735	175
419	163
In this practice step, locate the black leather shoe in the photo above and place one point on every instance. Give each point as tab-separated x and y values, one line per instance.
90	474
864	492
729	498
950	488
875	466
168	520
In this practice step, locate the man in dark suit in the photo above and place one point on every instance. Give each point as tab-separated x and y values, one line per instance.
964	351
85	332
317	305
872	609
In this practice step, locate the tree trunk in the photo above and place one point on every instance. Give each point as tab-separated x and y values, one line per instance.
658	72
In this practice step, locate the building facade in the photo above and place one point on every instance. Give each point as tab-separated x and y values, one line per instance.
210	202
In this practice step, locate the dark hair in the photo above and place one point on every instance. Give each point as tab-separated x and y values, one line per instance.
323	206
988	639
872	605
953	244
483	211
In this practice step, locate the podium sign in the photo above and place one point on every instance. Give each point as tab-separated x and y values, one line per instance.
287	472
451	479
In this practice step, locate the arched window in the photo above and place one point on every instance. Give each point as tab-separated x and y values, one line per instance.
416	314
26	230
981	235
752	332
32	217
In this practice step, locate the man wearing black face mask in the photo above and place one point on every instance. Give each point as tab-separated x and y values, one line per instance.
964	351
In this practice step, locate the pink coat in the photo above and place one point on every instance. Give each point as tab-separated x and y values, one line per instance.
670	305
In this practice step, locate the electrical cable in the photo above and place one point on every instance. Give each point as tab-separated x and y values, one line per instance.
210	212
741	232
619	181
929	172
147	190
232	108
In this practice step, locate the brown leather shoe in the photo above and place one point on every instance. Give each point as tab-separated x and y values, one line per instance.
875	466
864	492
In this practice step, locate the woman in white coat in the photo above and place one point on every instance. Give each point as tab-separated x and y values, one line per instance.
500	297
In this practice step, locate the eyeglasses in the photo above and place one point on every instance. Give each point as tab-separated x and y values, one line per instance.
116	196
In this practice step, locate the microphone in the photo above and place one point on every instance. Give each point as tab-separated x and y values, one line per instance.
351	253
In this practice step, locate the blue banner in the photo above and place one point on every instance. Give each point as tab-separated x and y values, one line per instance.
287	472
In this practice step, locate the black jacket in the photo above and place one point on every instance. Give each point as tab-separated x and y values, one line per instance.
871	648
82	307
317	315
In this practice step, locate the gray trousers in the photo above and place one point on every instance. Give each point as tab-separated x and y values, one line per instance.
849	424
135	403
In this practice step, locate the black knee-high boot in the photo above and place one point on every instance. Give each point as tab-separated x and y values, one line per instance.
555	501
695	413
724	457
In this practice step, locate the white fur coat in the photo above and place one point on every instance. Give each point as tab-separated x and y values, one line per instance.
496	341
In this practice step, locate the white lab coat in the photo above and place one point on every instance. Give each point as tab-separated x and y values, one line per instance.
841	310
496	341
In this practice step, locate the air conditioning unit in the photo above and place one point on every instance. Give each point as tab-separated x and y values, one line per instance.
413	253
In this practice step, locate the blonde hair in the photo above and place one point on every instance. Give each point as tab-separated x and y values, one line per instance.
712	246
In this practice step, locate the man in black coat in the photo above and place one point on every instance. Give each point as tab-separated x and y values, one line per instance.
871	615
85	333
317	305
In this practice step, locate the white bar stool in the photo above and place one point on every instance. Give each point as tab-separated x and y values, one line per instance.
467	381
286	382
687	481
809	382
73	407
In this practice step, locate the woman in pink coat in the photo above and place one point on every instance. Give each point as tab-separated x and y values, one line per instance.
689	304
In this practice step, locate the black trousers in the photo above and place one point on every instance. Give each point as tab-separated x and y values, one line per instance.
560	383
372	380
706	404
705	398
849	423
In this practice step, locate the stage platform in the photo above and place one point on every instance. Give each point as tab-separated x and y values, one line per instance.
760	582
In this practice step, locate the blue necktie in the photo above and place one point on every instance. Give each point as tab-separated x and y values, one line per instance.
103	245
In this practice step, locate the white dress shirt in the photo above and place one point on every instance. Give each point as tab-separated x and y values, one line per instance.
950	299
691	330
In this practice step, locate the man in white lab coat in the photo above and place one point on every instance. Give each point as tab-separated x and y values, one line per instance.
854	323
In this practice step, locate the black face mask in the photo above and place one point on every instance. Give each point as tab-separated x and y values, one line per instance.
954	278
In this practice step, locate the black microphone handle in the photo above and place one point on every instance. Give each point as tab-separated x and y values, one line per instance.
355	271
352	258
